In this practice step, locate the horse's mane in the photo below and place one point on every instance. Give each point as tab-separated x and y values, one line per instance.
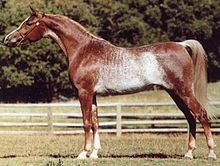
67	22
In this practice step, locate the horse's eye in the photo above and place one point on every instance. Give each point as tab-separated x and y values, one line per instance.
29	23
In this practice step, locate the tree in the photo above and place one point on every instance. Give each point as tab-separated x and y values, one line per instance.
39	71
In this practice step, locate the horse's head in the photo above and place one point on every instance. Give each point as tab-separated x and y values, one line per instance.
31	29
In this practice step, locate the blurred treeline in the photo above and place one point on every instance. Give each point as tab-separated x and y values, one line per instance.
39	71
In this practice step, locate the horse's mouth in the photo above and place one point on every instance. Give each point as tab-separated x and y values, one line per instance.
11	44
19	42
16	44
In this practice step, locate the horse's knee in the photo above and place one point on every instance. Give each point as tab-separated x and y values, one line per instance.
94	107
94	128
94	118
87	126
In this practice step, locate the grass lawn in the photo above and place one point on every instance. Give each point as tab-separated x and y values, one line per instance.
132	149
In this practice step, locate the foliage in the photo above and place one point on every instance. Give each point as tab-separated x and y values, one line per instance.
39	71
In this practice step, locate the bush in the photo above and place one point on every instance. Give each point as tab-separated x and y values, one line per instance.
40	70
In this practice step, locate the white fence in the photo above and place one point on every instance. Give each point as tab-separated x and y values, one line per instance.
116	122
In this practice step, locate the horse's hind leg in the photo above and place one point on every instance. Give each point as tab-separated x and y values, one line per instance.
96	139
191	121
200	113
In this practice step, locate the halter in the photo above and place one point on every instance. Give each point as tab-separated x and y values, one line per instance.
23	37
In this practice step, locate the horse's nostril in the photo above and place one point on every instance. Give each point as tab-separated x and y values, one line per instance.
13	40
6	40
10	42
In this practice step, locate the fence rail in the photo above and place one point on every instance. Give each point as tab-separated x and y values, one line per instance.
117	121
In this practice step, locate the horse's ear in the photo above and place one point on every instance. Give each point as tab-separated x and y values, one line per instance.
34	11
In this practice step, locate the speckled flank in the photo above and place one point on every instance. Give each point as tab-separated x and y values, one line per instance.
126	73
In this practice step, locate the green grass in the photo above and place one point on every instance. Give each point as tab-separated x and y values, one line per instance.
43	161
132	149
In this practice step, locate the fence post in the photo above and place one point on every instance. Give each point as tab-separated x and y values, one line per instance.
118	121
50	121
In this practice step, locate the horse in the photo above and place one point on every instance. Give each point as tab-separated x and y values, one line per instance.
97	67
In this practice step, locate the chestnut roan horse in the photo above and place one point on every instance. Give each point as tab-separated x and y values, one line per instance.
98	67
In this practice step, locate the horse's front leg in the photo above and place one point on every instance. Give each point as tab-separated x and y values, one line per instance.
96	139
86	98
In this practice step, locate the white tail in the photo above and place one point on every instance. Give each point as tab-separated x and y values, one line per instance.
199	58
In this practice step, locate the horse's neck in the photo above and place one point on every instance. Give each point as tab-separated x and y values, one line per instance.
69	35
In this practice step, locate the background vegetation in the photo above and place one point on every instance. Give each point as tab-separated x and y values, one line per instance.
39	71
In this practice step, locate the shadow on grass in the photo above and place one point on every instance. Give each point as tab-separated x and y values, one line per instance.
9	156
150	155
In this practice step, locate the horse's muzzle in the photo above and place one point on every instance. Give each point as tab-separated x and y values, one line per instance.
10	42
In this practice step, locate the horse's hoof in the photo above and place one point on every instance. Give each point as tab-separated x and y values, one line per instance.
82	155
94	155
188	155
212	156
